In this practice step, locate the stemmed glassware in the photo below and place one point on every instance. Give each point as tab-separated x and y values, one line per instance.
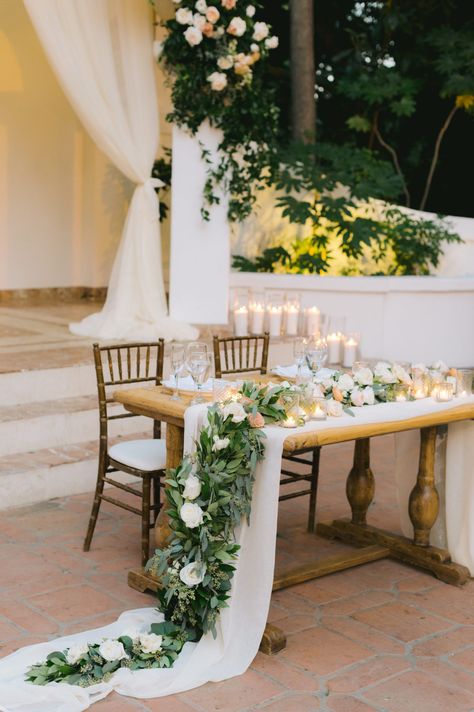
198	363
177	362
316	353
299	351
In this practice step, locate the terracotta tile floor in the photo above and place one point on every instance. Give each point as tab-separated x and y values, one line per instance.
381	637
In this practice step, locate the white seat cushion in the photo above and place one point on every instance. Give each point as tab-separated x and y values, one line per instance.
145	455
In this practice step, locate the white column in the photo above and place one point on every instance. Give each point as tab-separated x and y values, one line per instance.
200	250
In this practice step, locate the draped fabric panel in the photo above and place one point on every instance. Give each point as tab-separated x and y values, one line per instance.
102	54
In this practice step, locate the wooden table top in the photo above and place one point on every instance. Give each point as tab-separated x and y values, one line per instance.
155	402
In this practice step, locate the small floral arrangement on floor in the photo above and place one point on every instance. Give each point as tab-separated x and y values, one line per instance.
214	54
90	663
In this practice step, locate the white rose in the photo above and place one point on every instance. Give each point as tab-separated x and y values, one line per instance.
220	443
419	367
260	31
334	408
439	366
201	5
193	36
192	574
250	11
132	633
254	47
199	21
236	410
272	42
364	376
212	14
217	80
383	372
369	395
357	397
76	653
237	27
191	514
400	373
112	650
225	62
192	488
184	16
328	383
150	642
345	383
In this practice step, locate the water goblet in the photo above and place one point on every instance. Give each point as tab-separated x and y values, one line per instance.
199	366
317	354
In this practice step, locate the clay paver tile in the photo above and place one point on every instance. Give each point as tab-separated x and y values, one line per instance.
322	651
401	621
368	673
419	692
235	694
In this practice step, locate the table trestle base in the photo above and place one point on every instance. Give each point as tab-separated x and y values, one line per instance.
431	558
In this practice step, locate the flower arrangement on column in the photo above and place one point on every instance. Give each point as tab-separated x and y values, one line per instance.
214	55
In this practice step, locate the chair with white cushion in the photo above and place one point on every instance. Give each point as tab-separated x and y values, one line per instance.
146	459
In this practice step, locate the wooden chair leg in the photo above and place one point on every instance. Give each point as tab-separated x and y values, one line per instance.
313	489
156	496
146	496
96	504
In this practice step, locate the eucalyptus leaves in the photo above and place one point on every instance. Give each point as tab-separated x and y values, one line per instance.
208	496
215	54
88	664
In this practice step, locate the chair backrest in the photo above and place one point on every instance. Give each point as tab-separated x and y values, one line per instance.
121	365
241	354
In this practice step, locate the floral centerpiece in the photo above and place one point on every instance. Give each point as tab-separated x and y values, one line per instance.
214	54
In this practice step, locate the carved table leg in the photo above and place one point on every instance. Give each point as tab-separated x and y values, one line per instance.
174	454
360	485
424	500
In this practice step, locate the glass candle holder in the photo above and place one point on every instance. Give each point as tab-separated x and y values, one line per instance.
464	378
421	386
320	409
292	315
224	391
445	392
312	320
293	411
435	381
241	312
335	341
401	393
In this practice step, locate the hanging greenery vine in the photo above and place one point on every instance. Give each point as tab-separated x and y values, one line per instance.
214	56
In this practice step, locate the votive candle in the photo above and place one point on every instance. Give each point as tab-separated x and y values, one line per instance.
444	392
241	318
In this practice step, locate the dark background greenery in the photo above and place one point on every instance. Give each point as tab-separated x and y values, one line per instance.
421	56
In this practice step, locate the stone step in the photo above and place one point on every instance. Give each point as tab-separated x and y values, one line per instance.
47	473
57	423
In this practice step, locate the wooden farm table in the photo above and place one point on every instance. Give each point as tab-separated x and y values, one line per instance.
372	543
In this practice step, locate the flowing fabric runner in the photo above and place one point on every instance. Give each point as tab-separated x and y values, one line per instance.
239	628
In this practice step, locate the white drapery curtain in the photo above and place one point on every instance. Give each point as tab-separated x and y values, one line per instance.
102	54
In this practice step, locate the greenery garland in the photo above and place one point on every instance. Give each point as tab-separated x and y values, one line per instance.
215	57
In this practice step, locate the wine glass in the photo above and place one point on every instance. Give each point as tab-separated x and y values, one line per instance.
177	361
317	354
199	366
299	352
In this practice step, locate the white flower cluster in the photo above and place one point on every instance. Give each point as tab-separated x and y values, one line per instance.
207	21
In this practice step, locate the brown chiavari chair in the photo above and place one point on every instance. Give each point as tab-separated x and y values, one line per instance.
243	354
146	459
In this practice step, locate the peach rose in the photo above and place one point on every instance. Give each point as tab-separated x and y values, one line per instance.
229	4
212	14
337	394
207	29
256	421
